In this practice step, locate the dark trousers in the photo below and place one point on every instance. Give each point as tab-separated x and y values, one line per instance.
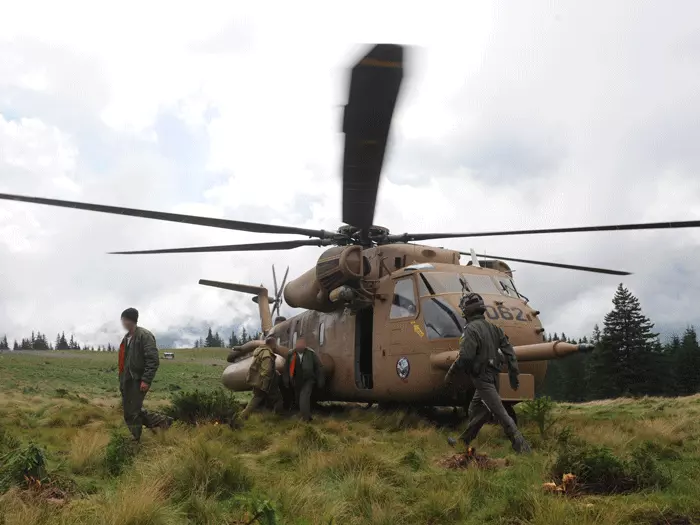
261	399
302	394
135	416
485	402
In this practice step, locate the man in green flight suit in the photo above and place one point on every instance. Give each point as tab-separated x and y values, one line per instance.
481	350
304	371
138	364
263	377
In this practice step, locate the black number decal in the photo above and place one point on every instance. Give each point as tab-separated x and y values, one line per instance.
505	313
520	316
491	312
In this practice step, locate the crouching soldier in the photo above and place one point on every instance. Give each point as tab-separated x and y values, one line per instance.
304	372
138	364
481	348
263	377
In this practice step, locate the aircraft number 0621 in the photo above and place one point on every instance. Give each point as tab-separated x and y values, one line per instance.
506	314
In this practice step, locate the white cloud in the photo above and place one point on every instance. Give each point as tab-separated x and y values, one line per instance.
511	117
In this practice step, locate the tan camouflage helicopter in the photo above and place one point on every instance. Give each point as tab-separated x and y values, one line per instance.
381	311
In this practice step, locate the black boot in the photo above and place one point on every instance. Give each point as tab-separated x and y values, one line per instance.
520	444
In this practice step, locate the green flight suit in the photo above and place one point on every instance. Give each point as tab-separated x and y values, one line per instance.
482	348
140	364
263	378
308	374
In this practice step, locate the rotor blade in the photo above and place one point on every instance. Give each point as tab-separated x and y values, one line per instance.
172	217
284	281
274	279
553	265
374	87
407	237
282	245
244	288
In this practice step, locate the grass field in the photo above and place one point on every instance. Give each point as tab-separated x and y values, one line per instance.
350	466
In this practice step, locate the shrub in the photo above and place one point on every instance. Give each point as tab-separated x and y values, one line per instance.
22	466
119	453
196	406
598	470
539	411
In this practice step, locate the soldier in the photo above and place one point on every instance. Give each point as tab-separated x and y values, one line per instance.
481	349
138	364
303	371
263	377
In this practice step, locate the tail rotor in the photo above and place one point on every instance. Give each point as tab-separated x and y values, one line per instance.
277	303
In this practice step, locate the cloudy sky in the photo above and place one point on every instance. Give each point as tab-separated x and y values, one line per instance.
512	116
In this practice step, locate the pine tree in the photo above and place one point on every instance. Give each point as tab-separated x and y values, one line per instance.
244	336
233	340
62	343
196	343
15	346
687	364
4	344
209	341
623	361
218	343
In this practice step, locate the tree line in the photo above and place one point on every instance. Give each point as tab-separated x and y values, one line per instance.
628	359
214	340
39	341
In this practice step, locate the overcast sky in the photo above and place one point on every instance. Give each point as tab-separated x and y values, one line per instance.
513	115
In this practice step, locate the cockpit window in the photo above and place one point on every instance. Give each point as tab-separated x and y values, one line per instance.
441	318
481	284
436	283
507	287
404	301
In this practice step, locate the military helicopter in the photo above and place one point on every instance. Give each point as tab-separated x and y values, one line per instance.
382	311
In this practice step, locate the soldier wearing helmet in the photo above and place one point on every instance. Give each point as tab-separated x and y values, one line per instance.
482	349
263	378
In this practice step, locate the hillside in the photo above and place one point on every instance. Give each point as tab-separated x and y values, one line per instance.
350	466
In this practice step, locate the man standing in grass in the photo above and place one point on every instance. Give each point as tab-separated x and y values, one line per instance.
138	364
304	371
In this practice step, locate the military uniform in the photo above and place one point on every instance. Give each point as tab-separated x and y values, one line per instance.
263	377
304	371
138	362
482	349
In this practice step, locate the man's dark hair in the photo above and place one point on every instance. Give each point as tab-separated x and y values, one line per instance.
132	314
270	339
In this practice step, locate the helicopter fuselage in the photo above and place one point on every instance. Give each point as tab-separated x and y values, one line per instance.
386	352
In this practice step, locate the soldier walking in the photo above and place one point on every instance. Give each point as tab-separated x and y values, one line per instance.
303	371
138	364
481	350
263	377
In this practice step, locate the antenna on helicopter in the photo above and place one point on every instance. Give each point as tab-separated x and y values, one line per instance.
475	261
277	303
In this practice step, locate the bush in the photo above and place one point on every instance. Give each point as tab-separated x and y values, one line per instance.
195	407
22	466
539	411
600	471
119	453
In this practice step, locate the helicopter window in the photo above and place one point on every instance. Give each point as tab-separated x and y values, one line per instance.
441	318
321	334
507	287
404	302
481	284
435	283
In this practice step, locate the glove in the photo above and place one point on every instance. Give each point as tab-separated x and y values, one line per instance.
514	381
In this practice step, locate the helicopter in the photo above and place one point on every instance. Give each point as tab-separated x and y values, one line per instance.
382	310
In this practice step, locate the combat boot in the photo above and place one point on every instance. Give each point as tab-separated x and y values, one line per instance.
520	444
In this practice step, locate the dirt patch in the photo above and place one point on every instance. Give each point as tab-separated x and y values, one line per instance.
471	459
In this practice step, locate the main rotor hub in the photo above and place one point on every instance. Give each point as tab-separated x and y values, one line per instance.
375	233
